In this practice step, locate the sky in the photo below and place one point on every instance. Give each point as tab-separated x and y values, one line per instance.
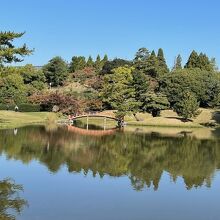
117	28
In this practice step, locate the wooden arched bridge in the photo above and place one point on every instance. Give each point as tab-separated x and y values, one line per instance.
93	116
120	122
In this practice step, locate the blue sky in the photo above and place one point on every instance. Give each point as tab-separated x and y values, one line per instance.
115	27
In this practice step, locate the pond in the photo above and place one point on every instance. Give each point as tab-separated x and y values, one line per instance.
131	174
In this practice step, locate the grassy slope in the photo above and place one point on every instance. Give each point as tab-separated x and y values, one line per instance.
11	119
169	118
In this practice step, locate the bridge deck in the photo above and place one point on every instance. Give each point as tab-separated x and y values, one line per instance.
94	116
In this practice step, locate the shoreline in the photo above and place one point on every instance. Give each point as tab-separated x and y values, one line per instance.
168	119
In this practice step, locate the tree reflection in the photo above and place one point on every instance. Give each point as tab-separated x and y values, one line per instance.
10	202
142	157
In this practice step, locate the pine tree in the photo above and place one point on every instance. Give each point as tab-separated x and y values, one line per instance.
188	106
152	65
77	63
8	52
56	71
193	60
98	63
162	62
155	102
200	61
213	64
178	63
105	59
90	62
141	57
153	53
204	62
140	84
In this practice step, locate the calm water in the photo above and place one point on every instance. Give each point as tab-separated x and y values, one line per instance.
113	176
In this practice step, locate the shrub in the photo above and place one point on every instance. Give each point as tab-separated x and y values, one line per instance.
7	107
187	107
29	108
21	107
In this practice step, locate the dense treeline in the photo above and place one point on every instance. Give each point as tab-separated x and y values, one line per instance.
144	84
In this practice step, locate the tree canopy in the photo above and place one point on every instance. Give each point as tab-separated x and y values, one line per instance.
8	51
56	71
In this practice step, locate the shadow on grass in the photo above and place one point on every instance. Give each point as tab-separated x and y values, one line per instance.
180	119
216	116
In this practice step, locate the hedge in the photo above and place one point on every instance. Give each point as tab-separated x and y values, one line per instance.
21	107
29	108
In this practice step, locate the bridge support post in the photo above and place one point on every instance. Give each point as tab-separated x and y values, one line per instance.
104	123
87	123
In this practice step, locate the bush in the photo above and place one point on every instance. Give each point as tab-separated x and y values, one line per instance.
29	108
7	107
21	107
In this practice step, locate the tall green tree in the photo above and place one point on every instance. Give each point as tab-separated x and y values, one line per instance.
155	102
90	62
118	91
204	63
214	64
12	87
205	85
98	63
105	59
140	84
77	63
113	64
178	63
10	53
33	78
162	62
193	60
187	106
200	61
56	71
152	65
141	58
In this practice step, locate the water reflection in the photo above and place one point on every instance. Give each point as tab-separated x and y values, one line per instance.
10	202
140	156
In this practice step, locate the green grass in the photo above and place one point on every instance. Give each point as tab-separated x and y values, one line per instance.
168	118
11	119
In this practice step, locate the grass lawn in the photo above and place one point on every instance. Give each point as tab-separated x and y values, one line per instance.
11	119
168	118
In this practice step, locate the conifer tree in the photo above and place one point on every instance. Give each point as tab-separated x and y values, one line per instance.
192	61
178	63
153	53
8	52
200	61
188	106
140	84
141	57
98	63
162	62
56	71
105	59
152	65
204	63
77	63
90	62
